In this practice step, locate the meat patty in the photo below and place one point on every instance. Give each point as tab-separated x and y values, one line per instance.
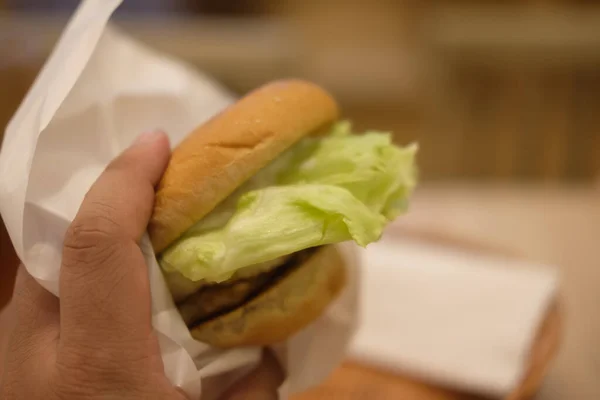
214	300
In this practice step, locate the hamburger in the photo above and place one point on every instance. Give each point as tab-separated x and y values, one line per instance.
252	203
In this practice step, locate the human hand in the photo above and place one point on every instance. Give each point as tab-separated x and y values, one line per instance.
97	341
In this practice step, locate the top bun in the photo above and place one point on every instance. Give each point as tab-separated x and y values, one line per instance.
220	155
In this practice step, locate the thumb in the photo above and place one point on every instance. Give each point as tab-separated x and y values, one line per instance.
104	282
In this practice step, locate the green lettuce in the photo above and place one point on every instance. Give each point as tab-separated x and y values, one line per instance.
325	190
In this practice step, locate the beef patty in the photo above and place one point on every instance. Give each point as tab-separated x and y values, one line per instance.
212	301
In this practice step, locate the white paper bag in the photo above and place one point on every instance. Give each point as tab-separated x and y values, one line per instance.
98	90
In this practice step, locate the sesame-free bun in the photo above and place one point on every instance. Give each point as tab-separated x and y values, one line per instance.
224	152
284	308
208	166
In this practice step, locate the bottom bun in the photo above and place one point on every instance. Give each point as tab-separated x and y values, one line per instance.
283	309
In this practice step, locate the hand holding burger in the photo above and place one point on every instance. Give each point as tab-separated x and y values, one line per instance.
98	340
243	215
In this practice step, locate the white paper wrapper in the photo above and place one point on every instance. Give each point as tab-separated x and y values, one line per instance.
97	92
452	317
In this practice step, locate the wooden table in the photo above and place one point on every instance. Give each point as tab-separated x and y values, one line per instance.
550	224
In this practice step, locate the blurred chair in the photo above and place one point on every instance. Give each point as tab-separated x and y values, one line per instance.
493	91
517	87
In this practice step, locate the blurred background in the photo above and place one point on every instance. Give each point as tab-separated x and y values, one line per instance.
493	90
502	96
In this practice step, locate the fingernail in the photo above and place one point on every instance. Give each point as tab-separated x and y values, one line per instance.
148	137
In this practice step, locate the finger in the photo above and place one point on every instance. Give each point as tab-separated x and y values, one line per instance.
261	384
104	284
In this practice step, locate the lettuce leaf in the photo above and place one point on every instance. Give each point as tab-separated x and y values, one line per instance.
324	190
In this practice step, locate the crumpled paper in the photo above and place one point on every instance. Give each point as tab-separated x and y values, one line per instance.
99	90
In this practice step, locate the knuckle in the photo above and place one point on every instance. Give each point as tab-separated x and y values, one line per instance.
91	239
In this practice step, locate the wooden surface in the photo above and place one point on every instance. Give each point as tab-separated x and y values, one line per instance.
559	225
354	381
554	224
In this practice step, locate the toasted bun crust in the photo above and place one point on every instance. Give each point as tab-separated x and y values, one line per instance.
283	309
223	153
